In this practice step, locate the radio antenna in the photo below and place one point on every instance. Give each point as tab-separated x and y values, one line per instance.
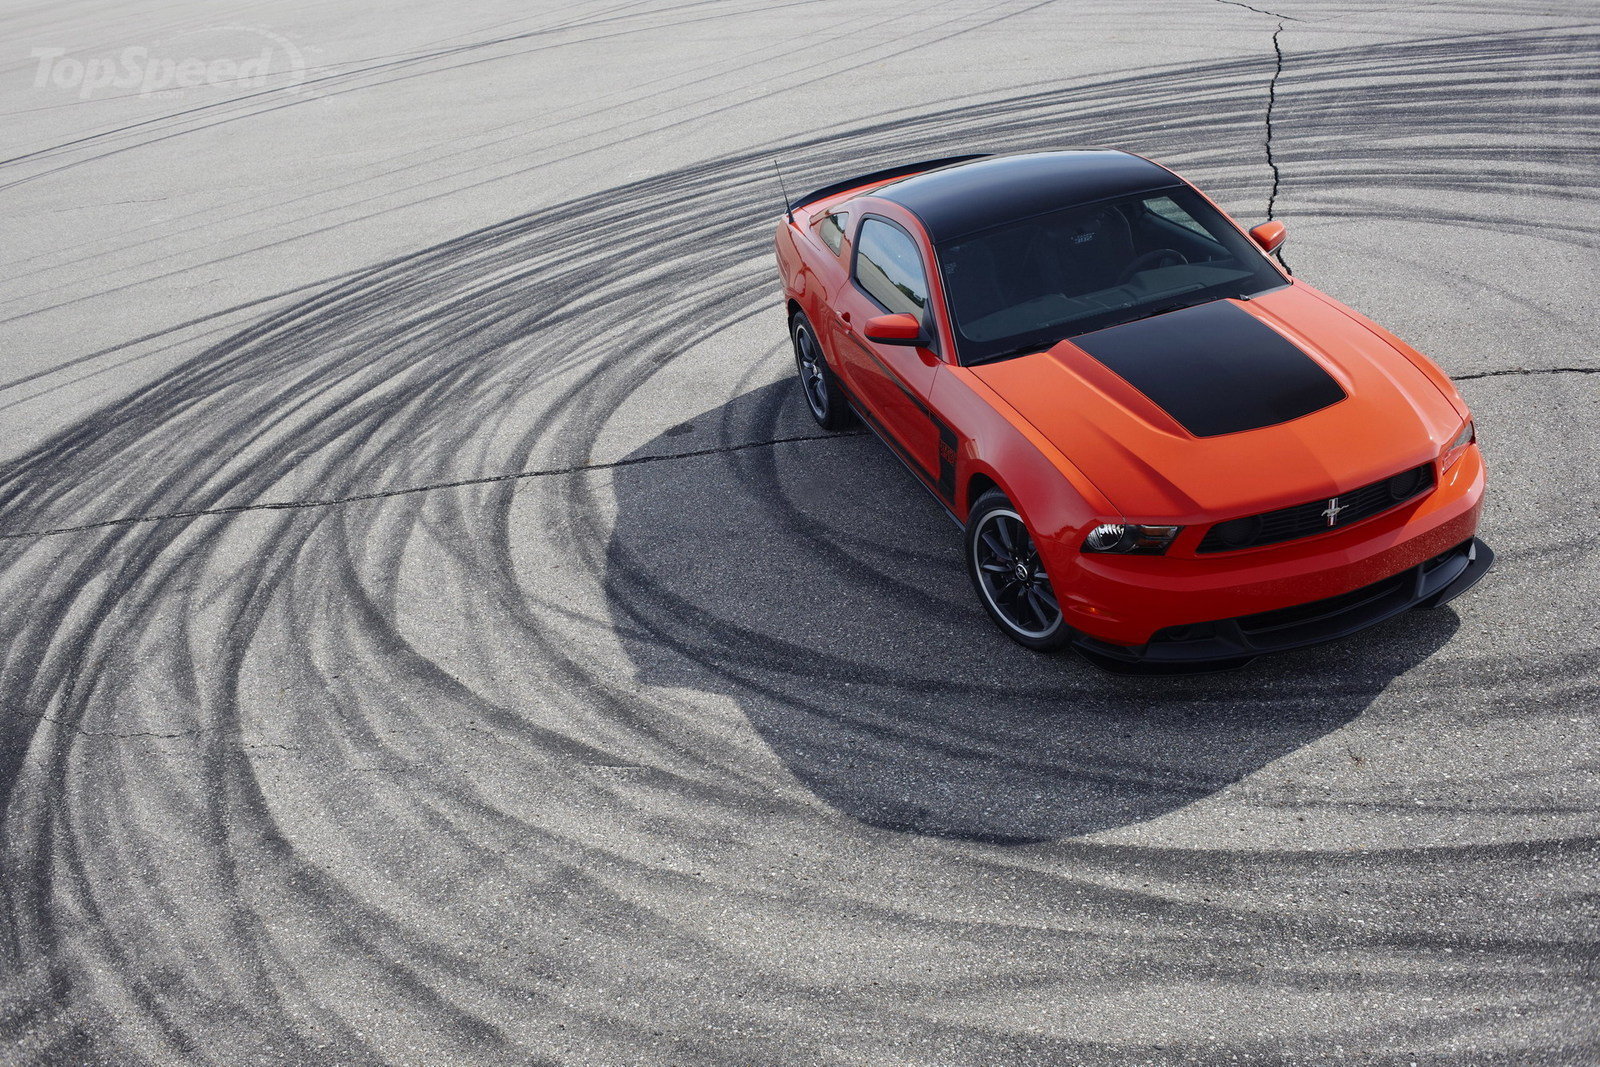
787	211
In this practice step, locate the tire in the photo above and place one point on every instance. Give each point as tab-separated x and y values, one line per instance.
1006	573
818	385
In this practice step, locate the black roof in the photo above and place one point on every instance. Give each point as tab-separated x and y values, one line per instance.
962	199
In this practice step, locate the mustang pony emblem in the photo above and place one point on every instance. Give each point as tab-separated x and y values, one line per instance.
1331	512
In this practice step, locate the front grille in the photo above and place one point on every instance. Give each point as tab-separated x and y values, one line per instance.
1304	520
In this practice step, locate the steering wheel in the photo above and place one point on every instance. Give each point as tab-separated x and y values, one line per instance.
1160	257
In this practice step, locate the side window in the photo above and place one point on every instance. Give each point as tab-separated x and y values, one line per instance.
1169	210
890	269
831	229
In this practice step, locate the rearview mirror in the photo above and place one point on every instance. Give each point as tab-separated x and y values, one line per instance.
901	329
1270	235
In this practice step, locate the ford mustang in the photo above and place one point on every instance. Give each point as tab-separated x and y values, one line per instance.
1165	450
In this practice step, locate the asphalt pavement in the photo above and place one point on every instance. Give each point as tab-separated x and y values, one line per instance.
433	630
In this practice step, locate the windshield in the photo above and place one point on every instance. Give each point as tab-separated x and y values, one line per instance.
1022	287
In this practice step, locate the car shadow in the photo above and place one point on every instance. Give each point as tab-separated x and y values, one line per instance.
815	583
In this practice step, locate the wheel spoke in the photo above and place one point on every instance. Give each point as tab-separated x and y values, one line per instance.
1026	601
1036	605
1048	597
1003	527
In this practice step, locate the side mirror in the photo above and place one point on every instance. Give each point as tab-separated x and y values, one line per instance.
901	329
1270	235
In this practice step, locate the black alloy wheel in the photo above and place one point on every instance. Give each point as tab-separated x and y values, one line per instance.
1010	577
817	381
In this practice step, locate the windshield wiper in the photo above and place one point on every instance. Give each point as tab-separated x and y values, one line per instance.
1013	353
1162	309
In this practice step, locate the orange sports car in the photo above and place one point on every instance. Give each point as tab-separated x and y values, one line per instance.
1165	450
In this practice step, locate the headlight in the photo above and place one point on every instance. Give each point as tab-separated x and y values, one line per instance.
1458	448
1129	538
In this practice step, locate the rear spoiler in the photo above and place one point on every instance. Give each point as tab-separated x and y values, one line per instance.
881	176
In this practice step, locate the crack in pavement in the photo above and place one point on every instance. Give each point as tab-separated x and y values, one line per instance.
1260	11
120	735
156	735
547	472
1272	104
1517	371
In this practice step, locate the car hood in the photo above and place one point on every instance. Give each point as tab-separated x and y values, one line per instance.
1232	407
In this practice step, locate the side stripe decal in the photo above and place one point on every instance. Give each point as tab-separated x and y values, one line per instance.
947	460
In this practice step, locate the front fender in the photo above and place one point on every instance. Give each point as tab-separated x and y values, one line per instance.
1055	499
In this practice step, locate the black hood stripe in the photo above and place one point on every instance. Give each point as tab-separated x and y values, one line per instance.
1215	368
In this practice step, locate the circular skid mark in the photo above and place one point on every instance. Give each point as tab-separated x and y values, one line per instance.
348	782
819	586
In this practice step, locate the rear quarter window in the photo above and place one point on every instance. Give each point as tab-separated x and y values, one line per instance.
831	229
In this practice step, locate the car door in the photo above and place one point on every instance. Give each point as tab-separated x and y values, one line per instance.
894	382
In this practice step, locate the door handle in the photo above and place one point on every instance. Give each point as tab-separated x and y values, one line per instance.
844	317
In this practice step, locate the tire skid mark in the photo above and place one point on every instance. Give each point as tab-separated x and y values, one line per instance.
351	831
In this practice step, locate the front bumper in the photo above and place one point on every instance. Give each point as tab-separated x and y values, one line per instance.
1224	643
1125	600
